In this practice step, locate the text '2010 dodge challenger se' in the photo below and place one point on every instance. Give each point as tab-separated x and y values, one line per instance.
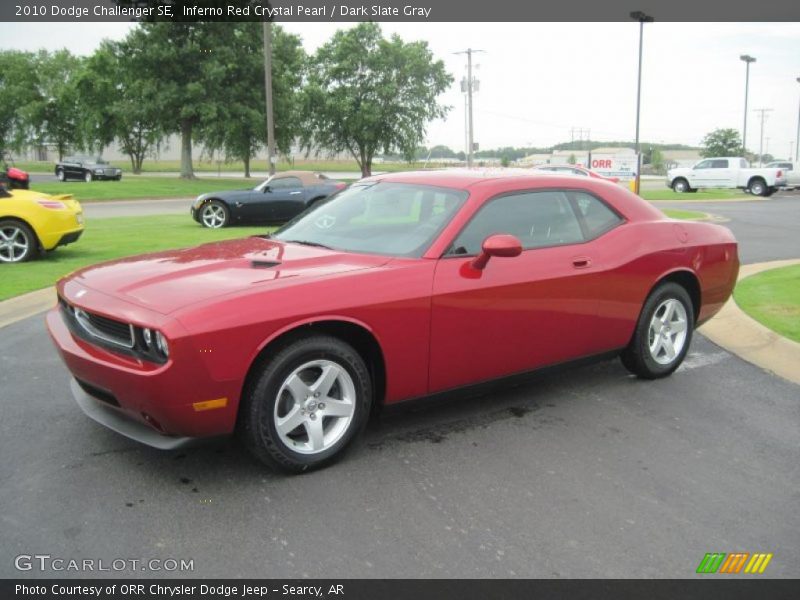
403	286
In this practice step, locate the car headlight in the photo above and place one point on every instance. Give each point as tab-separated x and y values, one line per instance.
152	344
99	171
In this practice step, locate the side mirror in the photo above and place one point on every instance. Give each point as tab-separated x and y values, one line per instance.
497	245
266	189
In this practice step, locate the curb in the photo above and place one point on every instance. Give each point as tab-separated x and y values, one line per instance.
745	337
731	328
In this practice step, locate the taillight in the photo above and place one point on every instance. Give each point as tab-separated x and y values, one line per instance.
780	173
53	204
341	186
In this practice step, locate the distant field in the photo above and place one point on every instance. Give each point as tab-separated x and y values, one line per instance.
138	187
207	166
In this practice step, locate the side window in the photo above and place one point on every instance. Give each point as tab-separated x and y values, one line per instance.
282	183
706	164
720	163
538	219
597	217
743	163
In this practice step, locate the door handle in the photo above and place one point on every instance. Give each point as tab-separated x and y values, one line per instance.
294	193
581	262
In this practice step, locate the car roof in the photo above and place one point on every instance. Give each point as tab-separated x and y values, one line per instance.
306	177
466	178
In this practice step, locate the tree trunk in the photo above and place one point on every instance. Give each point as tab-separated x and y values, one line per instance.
187	172
247	166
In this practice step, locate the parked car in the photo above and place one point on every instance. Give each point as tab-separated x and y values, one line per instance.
402	286
11	177
277	199
87	168
574	170
728	173
31	222
790	169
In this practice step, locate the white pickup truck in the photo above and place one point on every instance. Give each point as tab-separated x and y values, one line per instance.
791	170
727	172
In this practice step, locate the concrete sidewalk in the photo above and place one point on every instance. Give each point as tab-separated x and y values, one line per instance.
731	328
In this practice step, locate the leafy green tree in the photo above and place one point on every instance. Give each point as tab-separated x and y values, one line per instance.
657	160
118	103
16	91
721	142
366	93
179	60
240	126
53	115
572	160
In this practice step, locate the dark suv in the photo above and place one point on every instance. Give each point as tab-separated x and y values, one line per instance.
86	168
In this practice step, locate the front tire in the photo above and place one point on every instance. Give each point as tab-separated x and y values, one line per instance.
306	404
214	214
18	243
663	333
60	175
87	177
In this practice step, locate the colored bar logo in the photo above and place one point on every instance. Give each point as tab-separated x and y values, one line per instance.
731	564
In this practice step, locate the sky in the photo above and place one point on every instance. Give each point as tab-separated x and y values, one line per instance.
541	81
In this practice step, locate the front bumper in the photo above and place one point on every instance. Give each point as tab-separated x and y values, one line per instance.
151	403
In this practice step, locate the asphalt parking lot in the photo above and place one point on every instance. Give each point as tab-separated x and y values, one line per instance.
590	474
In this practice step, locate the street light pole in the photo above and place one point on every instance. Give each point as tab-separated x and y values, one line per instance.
470	83
797	139
267	30
747	59
642	18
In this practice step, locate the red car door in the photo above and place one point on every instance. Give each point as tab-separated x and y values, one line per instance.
517	313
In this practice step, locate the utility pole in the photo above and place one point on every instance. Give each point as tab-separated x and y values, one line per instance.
271	158
797	139
470	85
747	59
642	18
763	112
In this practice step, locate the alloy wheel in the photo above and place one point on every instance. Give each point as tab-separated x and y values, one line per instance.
667	333
14	244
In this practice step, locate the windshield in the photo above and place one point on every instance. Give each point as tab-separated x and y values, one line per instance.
397	219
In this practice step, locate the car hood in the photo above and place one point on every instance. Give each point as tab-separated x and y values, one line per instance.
167	281
225	195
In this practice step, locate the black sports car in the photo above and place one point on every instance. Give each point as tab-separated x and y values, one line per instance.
87	168
278	199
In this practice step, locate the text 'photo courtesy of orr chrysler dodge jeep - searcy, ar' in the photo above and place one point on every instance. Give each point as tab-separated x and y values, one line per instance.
402	286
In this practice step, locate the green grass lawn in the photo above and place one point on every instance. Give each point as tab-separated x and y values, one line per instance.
699	196
686	215
773	299
105	239
138	187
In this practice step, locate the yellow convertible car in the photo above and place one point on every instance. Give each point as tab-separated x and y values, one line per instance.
31	222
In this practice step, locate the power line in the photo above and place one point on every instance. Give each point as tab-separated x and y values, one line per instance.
470	87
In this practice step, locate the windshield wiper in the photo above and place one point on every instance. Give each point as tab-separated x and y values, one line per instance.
307	243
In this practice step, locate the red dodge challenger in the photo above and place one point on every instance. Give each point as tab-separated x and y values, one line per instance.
402	286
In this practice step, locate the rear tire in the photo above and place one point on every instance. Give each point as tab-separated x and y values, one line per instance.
663	333
306	404
681	186
18	243
758	187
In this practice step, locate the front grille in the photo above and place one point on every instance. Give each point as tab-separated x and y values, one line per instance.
97	327
96	392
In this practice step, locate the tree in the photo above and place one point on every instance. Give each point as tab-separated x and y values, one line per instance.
721	142
657	160
119	104
179	60
240	127
16	83
52	116
572	159
367	93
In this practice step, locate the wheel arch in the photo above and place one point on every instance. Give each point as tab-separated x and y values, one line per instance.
688	281
352	332
755	178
